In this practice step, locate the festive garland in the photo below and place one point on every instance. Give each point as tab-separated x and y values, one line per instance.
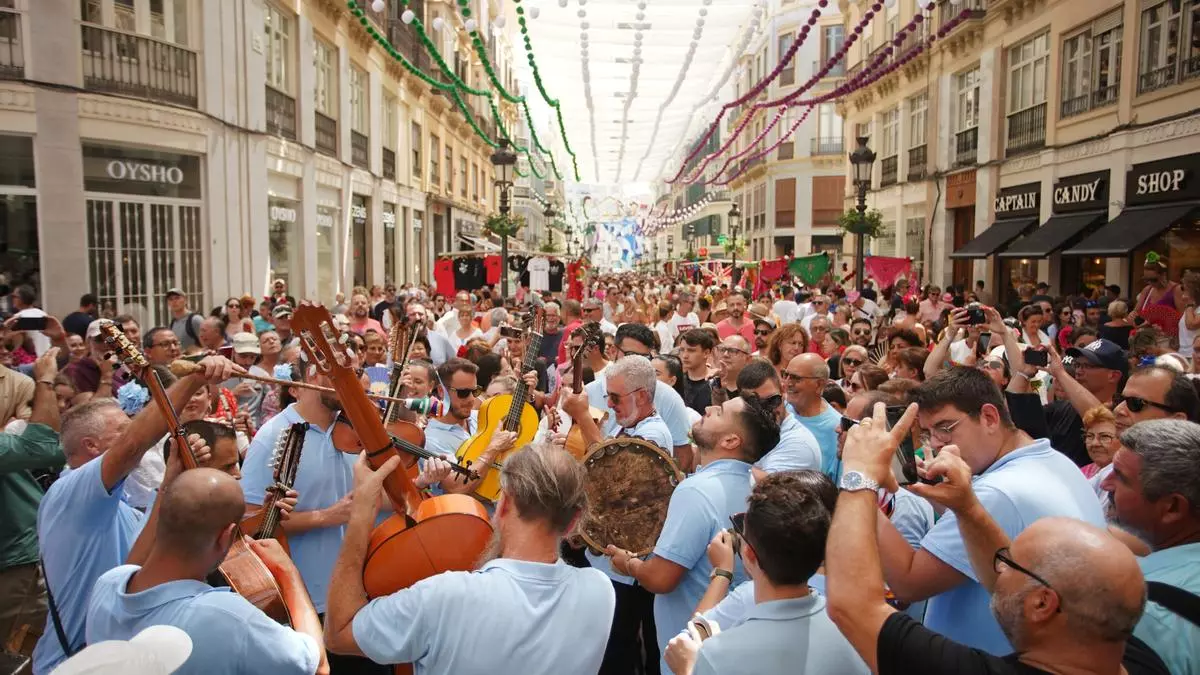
782	138
541	87
634	72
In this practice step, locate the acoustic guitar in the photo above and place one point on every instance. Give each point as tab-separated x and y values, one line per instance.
592	337
426	536
285	458
510	412
244	571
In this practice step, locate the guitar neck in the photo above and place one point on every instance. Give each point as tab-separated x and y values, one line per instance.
287	462
159	394
521	393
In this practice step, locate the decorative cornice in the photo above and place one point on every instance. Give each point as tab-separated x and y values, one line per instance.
1025	163
139	113
1015	11
1082	150
1188	126
333	9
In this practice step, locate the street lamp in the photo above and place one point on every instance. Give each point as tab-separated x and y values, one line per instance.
861	159
549	215
735	224
504	160
570	240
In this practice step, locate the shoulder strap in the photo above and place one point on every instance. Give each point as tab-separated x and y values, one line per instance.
54	617
1175	599
191	330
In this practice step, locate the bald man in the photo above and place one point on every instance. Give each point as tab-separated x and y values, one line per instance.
804	379
732	355
1066	593
197	523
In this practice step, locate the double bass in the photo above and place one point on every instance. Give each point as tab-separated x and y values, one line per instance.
242	569
426	536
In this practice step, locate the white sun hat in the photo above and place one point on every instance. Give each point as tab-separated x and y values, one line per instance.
157	650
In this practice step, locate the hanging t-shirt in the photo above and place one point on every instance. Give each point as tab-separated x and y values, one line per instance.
443	276
557	269
539	274
469	274
519	265
492	263
574	287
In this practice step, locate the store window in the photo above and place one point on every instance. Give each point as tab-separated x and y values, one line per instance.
389	242
284	240
144	228
19	257
326	220
360	209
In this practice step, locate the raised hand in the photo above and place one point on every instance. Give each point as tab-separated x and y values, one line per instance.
870	445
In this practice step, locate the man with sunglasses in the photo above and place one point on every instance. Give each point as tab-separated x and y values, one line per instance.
1066	591
1018	480
804	381
820	308
860	332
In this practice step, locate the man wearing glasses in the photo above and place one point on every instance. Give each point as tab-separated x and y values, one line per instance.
804	381
732	355
820	308
1018	481
1067	592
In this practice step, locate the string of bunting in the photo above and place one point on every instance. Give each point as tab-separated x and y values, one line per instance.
541	87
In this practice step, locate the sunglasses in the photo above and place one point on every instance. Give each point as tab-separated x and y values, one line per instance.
464	392
992	365
614	400
738	520
862	332
1137	404
852	362
788	375
762	331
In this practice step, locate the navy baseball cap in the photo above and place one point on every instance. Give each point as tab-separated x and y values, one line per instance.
1102	354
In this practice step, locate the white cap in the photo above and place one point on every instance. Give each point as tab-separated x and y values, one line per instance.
157	650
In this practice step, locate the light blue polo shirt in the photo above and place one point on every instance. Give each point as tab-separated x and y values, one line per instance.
652	429
700	507
540	619
1031	482
797	449
323	476
83	531
1176	639
445	438
228	633
781	637
667	403
824	427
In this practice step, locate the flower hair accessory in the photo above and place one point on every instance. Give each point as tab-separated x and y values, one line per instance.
1156	260
132	397
283	371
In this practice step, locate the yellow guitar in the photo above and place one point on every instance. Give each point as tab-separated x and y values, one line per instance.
508	412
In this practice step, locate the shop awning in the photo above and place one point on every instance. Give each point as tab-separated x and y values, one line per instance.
1132	228
995	238
1053	235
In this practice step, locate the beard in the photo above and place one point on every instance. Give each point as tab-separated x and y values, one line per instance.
1008	612
331	402
493	549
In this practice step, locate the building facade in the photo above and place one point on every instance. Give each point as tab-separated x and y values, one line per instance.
1044	140
216	145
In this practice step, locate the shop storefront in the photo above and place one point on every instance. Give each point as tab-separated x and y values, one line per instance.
1080	208
1016	213
388	215
284	241
360	209
20	262
145	231
328	216
1162	208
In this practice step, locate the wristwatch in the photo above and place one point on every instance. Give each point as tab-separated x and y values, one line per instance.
856	481
718	572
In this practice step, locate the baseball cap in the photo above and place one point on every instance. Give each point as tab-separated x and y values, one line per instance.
157	650
93	329
246	343
281	312
174	291
1101	353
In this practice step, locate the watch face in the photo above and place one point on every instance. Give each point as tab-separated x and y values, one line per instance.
852	480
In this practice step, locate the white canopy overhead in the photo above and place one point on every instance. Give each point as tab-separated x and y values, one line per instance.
631	76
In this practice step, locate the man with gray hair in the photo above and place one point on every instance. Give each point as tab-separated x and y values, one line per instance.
804	380
1155	494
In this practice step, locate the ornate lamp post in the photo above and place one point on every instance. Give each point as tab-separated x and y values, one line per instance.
549	215
735	224
504	160
862	160
570	240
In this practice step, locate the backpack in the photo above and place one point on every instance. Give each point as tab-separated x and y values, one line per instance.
1175	599
191	330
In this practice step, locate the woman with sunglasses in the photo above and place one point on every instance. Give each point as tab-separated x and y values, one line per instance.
235	321
868	378
1062	317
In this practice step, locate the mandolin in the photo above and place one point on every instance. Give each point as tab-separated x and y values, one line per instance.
425	536
509	412
242	569
285	458
592	337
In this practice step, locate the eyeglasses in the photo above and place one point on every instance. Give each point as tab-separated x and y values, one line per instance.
625	353
1137	404
789	375
992	364
1089	437
165	345
852	362
848	423
1004	556
614	400
941	432
730	351
463	392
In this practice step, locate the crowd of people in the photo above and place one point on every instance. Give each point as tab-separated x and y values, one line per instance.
1053	524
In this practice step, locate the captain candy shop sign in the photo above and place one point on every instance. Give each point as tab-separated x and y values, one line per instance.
1085	192
1175	179
1018	201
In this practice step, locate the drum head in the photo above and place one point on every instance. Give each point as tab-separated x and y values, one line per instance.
629	486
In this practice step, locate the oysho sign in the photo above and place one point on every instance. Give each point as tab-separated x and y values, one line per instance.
135	171
1165	180
282	214
147	173
324	218
1018	201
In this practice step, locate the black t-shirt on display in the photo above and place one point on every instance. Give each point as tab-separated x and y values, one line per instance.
905	646
557	269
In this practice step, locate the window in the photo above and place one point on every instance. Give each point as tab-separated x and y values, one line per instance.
359	105
890	141
279	49
462	175
918	113
788	75
435	153
1027	63
326	86
449	169
832	38
165	20
474	181
785	43
829	123
1091	72
967	111
417	142
1170	44
388	120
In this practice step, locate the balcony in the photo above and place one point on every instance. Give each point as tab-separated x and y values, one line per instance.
917	162
747	164
389	164
138	66
966	147
327	134
1026	130
889	170
360	150
281	114
1089	101
1170	74
948	10
786	151
832	145
12	54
